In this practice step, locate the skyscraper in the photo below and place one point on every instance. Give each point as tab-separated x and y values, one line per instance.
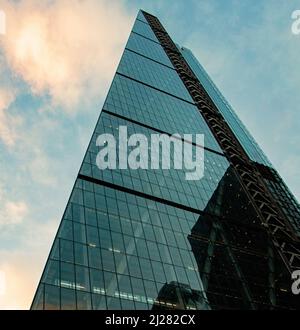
149	238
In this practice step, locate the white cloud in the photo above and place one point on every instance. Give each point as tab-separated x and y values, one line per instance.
12	212
68	51
8	123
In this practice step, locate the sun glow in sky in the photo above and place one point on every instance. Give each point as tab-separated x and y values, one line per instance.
56	64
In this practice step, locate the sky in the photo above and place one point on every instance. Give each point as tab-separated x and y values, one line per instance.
57	60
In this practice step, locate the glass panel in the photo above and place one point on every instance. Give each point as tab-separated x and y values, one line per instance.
38	303
146	105
94	257
111	284
66	230
167	184
68	299
90	216
81	257
67	275
108	260
144	29
125	287
148	48
92	236
66	251
84	301
52	301
152	73
55	250
97	281
141	17
99	302
82	278
113	303
79	233
51	274
78	212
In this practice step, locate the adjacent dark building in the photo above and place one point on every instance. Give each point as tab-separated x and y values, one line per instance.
150	239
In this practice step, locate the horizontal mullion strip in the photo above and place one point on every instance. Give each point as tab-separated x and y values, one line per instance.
153	87
150	59
159	131
170	203
141	35
143	22
138	193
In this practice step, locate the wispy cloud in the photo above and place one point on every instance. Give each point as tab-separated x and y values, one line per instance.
66	51
8	123
12	212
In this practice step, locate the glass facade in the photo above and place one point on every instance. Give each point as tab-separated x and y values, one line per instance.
150	239
239	129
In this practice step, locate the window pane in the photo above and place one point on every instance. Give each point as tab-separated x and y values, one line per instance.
82	278
103	220
158	271
68	300
181	275
55	250
66	230
141	306
94	257
113	303
90	217
99	302
127	304
38	303
141	247
134	266
105	239
79	233
111	284
89	200
84	300
121	263
52	297
78	213
146	269
117	241
114	222
138	290
108	260
126	226
67	275
66	251
81	257
51	274
151	291
125	287
97	281
92	236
